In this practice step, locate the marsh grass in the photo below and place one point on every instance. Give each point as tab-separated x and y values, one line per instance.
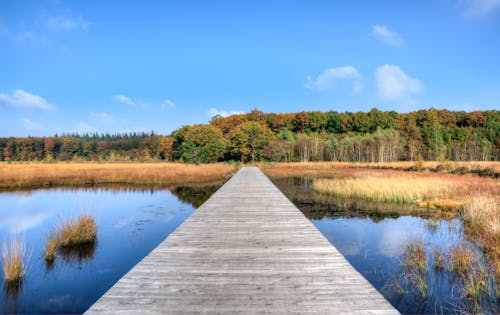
51	247
439	260
427	192
15	260
415	266
482	220
78	232
35	175
461	259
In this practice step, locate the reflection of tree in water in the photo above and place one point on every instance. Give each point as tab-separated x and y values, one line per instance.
195	196
317	206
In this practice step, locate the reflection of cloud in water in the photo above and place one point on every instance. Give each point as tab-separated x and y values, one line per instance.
393	236
357	241
58	302
19	222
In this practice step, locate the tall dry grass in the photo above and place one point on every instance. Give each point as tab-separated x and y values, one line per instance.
336	168
385	189
442	191
15	259
34	175
51	247
482	220
79	231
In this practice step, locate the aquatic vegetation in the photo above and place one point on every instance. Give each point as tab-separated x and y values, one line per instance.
79	231
439	260
51	247
461	258
15	260
482	220
398	190
415	265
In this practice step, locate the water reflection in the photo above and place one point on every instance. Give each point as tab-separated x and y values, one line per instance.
131	221
78	253
373	239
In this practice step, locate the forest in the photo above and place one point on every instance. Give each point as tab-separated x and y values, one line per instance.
374	136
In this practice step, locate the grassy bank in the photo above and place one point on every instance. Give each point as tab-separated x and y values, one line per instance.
475	198
484	169
36	175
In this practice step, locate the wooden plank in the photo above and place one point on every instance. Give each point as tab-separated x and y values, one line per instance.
246	250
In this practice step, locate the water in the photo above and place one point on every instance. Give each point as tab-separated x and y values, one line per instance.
373	239
131	222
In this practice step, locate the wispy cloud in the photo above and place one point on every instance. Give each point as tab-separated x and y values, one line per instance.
167	104
384	34
103	118
30	125
124	99
67	23
224	113
120	98
328	79
394	84
23	99
479	8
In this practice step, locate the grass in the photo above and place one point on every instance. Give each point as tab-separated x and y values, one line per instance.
415	265
36	175
431	190
439	260
482	221
51	247
461	259
15	260
325	168
77	232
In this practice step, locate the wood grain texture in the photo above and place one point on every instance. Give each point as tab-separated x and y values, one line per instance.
247	250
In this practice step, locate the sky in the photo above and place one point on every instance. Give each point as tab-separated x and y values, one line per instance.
122	66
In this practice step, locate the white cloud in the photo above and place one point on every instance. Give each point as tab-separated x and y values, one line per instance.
478	8
327	79
394	84
383	33
215	112
124	99
23	99
30	125
65	23
167	104
104	118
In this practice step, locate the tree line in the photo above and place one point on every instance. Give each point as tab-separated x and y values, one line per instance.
374	136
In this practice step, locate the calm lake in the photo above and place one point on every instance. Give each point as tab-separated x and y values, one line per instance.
374	240
131	222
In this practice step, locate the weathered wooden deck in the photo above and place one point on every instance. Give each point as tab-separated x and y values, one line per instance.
247	250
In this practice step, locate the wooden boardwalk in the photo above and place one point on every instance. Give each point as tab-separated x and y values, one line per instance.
247	250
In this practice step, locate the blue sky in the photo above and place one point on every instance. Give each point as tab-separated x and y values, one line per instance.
104	66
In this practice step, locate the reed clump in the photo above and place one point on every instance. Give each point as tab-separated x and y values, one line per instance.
15	260
461	259
51	247
439	260
482	220
77	232
415	266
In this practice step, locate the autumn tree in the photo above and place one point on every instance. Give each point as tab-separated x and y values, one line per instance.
203	144
249	139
